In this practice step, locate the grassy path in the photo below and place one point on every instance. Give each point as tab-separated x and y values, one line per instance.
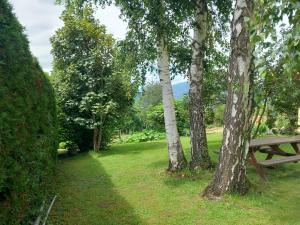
127	185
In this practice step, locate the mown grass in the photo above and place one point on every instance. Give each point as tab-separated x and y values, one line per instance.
128	185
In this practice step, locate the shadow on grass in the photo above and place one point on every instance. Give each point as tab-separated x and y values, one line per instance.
86	195
134	148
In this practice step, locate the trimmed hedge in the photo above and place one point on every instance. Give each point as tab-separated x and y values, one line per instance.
27	125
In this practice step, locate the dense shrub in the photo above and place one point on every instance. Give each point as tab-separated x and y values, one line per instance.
146	135
27	125
69	130
155	117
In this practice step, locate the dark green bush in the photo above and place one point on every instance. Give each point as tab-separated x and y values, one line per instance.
27	125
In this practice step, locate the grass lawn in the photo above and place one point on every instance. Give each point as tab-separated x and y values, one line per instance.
128	185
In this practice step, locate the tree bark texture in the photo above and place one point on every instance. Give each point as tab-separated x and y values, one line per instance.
230	175
199	149
176	156
97	137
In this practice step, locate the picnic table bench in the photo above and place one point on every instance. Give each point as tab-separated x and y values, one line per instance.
270	146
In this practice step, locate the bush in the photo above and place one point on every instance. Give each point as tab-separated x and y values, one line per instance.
209	115
155	117
62	145
219	115
71	147
69	130
147	135
263	129
282	122
284	125
27	126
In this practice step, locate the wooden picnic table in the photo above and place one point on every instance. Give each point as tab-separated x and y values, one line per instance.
271	147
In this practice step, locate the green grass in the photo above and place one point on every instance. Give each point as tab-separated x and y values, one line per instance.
128	185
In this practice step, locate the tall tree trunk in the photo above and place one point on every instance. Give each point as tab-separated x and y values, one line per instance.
199	149
230	175
176	155
95	138
99	138
298	120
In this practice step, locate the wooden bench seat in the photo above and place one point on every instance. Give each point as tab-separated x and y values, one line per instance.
272	162
269	150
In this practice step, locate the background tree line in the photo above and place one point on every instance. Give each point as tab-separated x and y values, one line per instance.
96	78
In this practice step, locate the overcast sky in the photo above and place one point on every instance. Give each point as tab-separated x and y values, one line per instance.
41	18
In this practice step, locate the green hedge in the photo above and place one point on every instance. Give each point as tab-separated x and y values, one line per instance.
27	125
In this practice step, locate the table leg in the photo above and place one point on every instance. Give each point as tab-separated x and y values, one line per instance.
296	148
259	168
269	156
277	151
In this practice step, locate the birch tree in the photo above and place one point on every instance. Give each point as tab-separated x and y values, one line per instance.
176	155
162	22
156	29
209	21
199	149
230	175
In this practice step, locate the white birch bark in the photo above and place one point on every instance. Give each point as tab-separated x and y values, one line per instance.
230	174
199	149
176	155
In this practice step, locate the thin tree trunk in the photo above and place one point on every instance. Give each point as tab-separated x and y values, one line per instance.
95	136
176	155
255	117
199	149
260	118
230	175
99	138
298	120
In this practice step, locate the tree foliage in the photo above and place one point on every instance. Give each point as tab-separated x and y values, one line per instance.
27	125
93	80
275	33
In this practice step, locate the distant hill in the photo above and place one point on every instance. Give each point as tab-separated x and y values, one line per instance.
180	89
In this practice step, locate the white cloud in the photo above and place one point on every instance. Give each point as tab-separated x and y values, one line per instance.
41	19
110	17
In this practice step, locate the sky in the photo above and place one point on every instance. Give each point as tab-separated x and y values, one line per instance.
41	19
